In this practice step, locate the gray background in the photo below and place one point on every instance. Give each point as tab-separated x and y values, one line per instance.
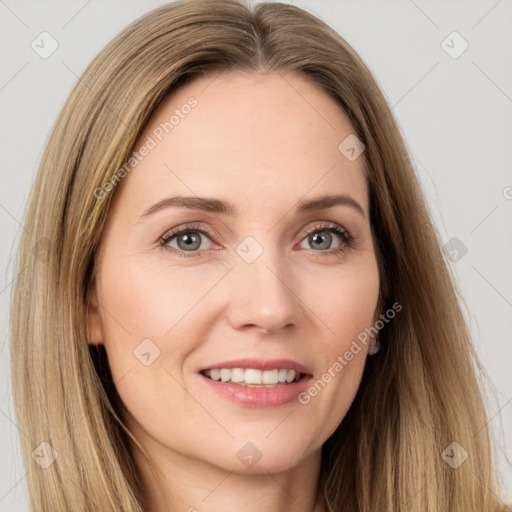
456	114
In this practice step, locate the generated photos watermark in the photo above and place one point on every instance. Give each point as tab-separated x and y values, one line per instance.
149	144
343	360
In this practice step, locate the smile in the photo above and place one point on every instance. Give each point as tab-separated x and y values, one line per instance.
253	377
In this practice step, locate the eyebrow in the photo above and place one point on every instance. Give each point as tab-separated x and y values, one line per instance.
220	207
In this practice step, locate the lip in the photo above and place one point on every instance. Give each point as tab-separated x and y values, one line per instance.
257	396
247	396
261	364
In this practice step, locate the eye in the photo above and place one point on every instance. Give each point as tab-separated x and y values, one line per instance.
190	239
186	239
321	238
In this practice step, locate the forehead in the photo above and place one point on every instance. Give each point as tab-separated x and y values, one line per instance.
264	138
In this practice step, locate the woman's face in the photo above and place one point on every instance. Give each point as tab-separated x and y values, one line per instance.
259	279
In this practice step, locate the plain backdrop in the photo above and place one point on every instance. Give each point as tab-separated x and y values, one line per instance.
445	70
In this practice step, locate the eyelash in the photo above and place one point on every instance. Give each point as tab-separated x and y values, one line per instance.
347	239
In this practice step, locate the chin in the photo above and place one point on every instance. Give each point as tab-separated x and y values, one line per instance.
269	462
261	456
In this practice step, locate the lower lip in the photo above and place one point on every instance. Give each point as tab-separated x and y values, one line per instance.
258	396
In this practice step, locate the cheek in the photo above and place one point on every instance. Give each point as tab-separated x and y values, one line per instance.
153	318
142	301
345	302
147	317
346	306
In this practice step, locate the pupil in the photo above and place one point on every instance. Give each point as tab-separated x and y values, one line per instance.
326	239
189	240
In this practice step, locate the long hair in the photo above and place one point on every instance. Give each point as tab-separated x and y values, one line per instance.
418	395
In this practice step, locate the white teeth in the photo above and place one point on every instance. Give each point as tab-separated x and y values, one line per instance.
270	377
237	375
253	377
225	374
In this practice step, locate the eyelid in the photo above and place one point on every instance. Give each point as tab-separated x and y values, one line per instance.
324	224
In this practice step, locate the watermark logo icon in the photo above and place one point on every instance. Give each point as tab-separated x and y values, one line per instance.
454	249
249	454
454	45
351	147
249	249
44	45
45	455
454	455
41	249
146	352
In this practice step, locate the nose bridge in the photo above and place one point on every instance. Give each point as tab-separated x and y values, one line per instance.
262	287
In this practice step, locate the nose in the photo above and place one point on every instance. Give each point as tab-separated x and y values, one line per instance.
262	296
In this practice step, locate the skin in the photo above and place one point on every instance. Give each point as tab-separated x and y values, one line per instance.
263	142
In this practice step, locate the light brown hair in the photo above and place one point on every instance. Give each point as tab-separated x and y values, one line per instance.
417	396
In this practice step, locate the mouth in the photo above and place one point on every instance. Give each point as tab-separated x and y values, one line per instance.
254	382
254	377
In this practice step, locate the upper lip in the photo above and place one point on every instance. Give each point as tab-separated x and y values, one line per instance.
261	364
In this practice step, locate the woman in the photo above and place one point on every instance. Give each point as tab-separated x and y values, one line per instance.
244	304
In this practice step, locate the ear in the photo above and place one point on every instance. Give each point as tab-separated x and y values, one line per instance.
94	319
